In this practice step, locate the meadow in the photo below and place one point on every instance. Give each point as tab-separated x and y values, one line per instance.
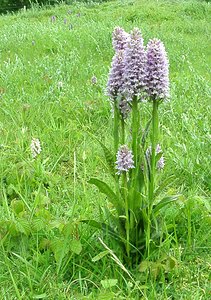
48	57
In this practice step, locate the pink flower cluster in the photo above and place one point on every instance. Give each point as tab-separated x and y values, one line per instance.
137	71
124	160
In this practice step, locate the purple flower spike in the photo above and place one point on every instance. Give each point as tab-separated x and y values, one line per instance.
115	83
134	66
124	160
119	38
157	71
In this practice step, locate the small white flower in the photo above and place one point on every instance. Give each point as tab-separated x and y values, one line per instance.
60	85
24	130
35	147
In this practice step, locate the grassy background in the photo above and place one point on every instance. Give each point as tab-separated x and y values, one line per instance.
36	56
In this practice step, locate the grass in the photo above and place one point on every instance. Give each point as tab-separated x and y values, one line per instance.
42	201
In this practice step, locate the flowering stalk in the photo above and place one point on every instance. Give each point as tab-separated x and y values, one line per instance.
158	90
155	124
116	127
152	173
124	164
127	223
135	128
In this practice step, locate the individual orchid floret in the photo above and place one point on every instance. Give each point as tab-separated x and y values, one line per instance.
35	147
161	162
119	38
134	83
124	160
157	71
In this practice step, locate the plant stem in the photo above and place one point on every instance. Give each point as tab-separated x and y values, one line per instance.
123	131
116	128
135	128
153	154
127	225
152	172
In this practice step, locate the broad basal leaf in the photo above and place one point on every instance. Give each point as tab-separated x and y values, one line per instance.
105	189
104	227
164	202
75	246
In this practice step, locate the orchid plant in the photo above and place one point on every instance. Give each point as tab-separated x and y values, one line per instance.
138	75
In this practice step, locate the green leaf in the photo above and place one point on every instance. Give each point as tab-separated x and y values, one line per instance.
60	249
113	220
106	295
156	268
23	226
104	227
75	246
40	296
164	202
109	158
135	200
144	266
38	224
170	264
169	180
44	244
158	157
100	255
109	283
105	189
17	206
146	132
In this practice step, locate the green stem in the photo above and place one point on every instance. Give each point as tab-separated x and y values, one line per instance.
127	224
153	154
116	128
135	128
151	188
123	131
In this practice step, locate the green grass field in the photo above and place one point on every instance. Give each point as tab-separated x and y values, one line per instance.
46	92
